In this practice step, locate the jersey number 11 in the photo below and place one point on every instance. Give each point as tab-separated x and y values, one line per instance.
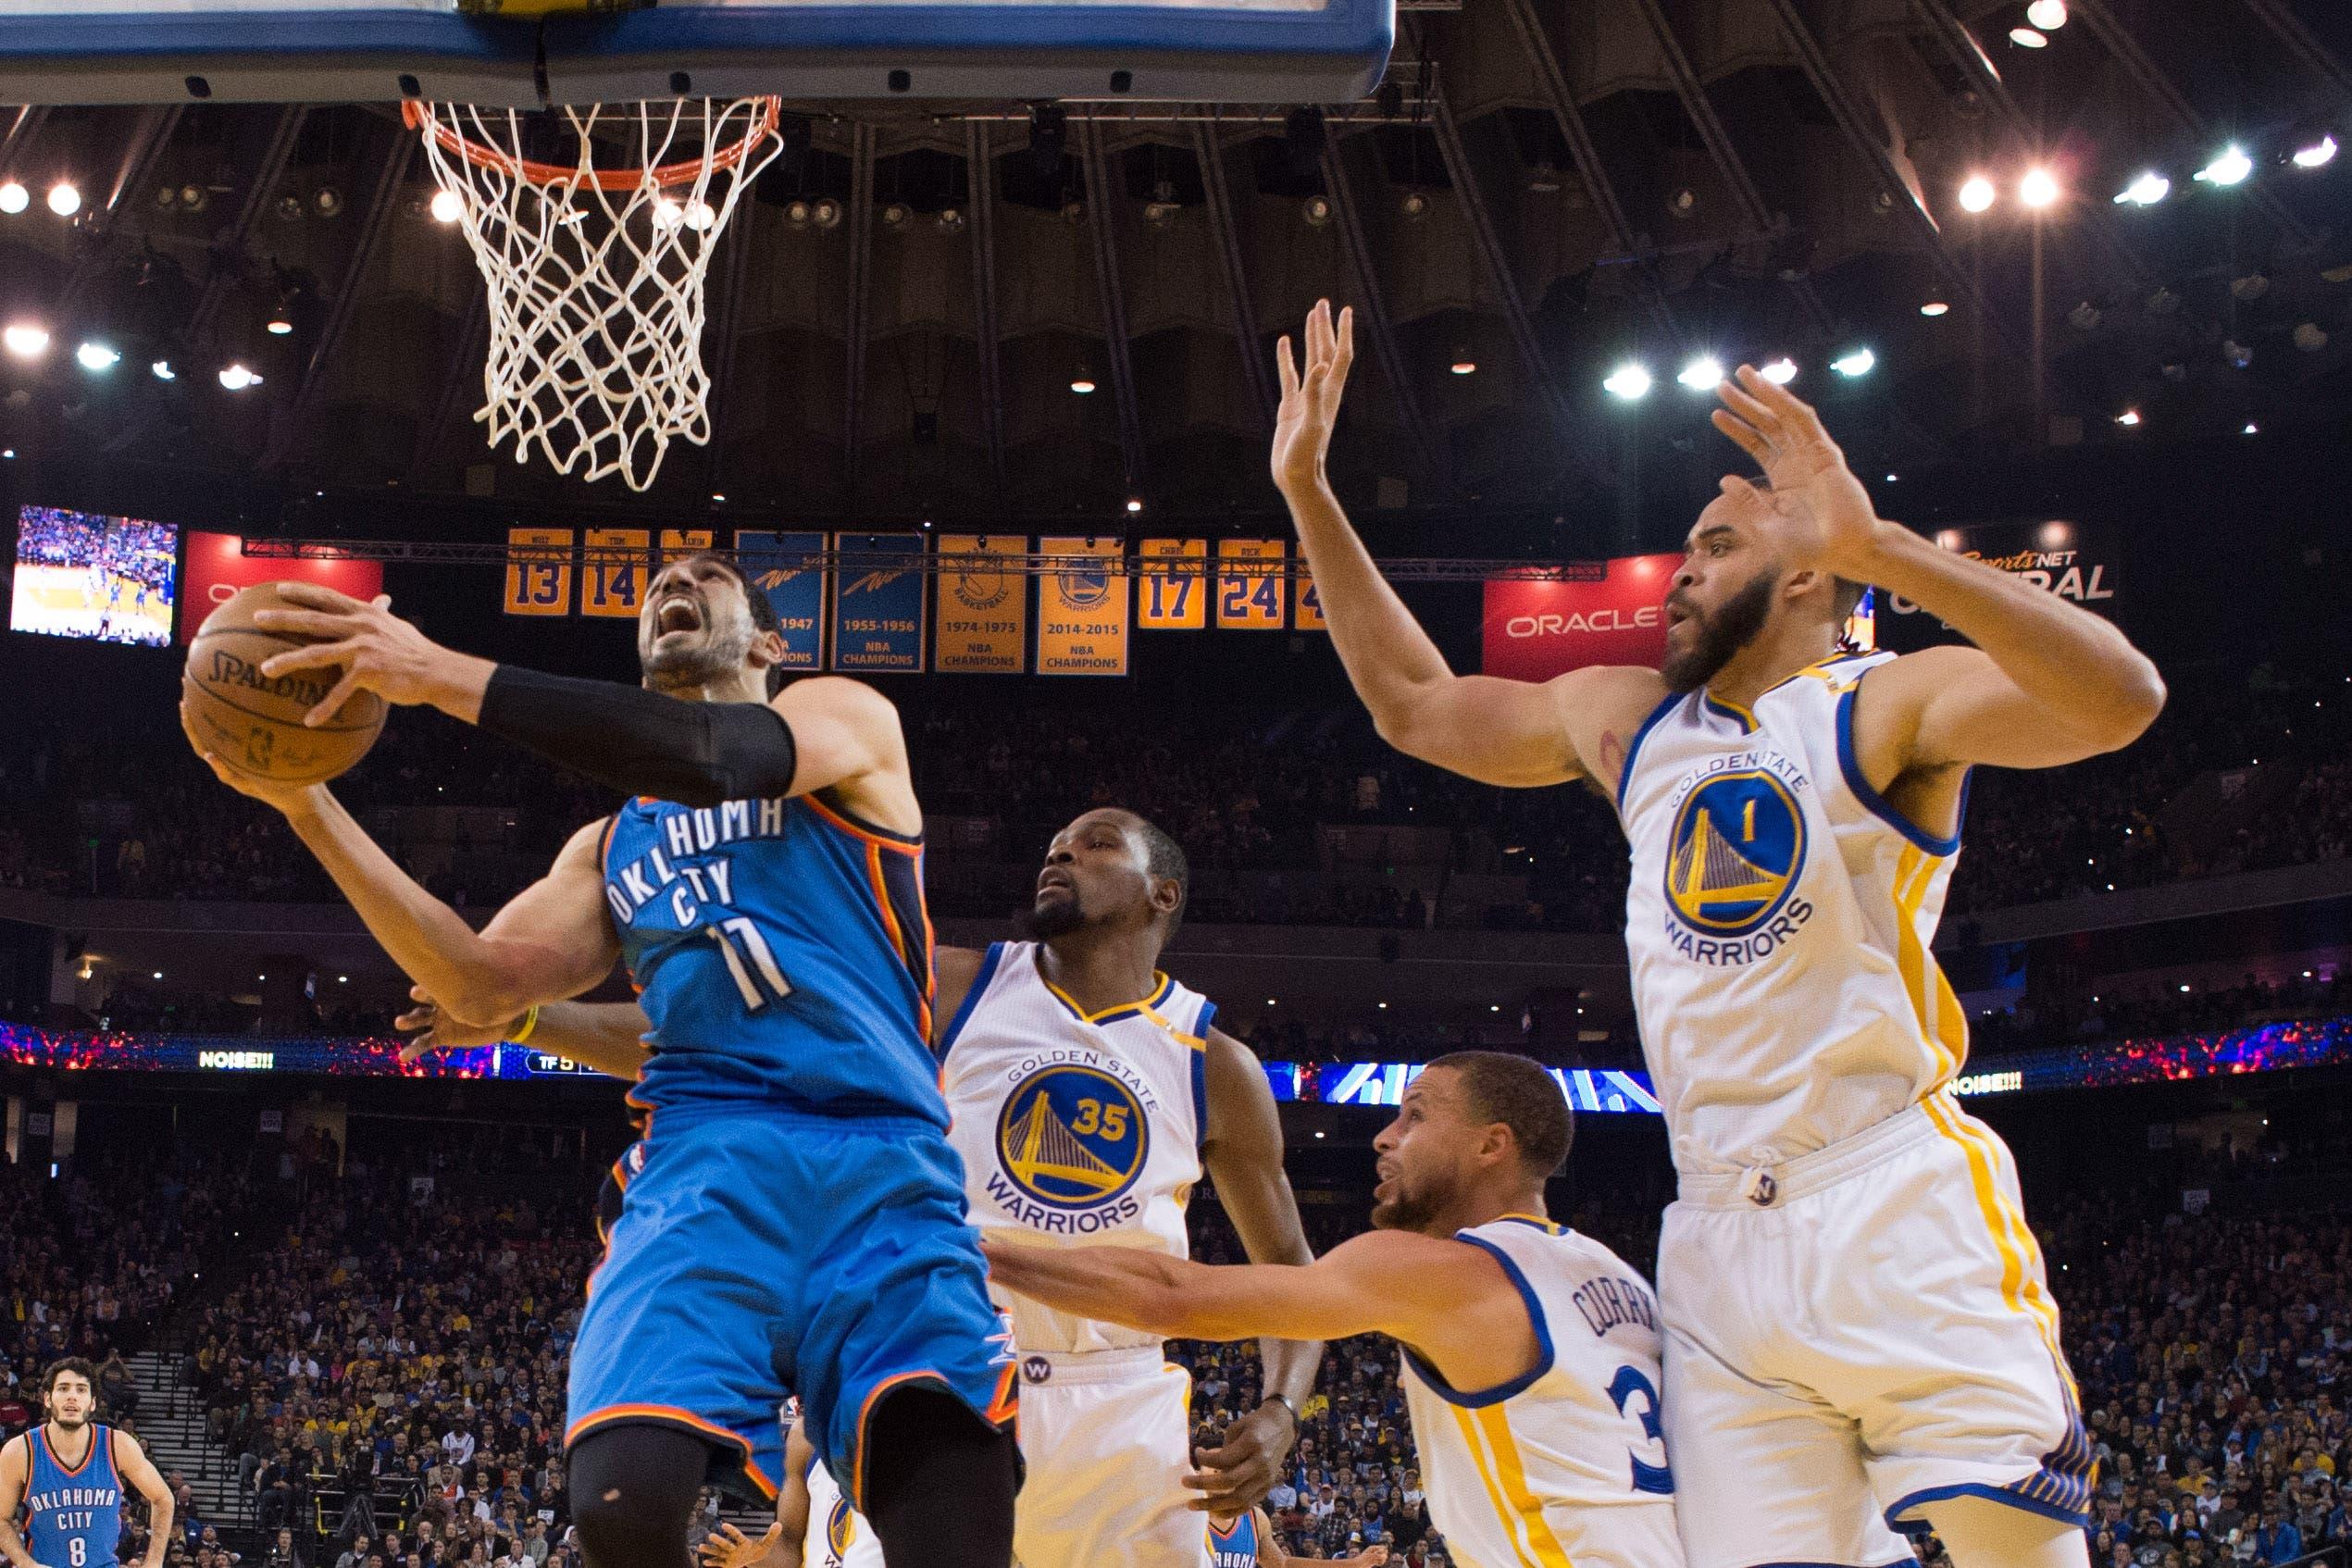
751	961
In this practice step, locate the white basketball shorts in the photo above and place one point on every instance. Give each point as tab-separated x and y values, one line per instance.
1107	1436
1858	1334
838	1535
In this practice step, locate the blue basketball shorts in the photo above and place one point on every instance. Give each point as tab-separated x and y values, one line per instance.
765	1253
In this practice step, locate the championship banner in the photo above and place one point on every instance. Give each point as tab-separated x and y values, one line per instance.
788	569
2079	562
982	616
615	572
1534	629
543	586
878	614
1082	614
219	566
684	541
1248	603
1306	609
1177	601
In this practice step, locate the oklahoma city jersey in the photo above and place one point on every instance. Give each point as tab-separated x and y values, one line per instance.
1080	1128
73	1517
1568	1463
1778	921
782	952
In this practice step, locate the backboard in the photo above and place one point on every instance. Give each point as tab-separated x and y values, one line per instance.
381	51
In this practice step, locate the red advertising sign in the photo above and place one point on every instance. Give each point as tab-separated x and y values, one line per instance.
219	566
1534	631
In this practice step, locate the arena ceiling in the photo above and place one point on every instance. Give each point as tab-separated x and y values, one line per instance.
1544	190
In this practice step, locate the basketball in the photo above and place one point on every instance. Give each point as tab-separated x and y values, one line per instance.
253	723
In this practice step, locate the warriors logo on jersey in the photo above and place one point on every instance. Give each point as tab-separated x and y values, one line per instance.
1075	1136
840	1528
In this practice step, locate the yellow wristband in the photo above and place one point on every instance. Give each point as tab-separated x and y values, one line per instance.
530	1021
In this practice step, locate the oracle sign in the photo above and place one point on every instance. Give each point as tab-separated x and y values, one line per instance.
219	566
1534	631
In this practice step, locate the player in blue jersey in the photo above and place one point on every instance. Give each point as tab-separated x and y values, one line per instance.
797	1225
66	1476
1248	1542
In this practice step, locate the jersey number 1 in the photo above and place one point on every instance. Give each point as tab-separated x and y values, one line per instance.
751	961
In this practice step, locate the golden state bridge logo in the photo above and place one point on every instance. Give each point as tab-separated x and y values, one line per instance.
1737	846
1072	1138
840	1530
1084	591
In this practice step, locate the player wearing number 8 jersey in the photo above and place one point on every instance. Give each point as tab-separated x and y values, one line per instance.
67	1474
792	1221
1531	1352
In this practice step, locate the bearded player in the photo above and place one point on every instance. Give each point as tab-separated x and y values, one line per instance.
1091	1093
1861	1333
1531	1353
796	1225
67	1476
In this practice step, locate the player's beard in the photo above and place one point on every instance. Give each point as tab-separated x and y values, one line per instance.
69	1423
1057	918
1407	1209
1722	634
698	662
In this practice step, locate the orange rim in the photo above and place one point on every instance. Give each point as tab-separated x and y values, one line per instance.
419	116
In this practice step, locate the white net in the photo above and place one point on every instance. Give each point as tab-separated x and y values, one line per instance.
594	228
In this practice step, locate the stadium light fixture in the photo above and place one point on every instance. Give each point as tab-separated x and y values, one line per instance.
25	340
1629	381
1976	193
2231	168
13	197
2038	189
1702	374
163	371
98	357
2252	430
2146	191
2027	38
2317	155
1862	362
2129	418
64	198
1780	372
1135	504
1935	307
2047	15
1082	385
448	206
237	378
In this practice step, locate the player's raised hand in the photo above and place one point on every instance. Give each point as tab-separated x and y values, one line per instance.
728	1546
1827	520
1311	396
436	1031
378	651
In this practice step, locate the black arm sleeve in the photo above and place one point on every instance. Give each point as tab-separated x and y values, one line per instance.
641	742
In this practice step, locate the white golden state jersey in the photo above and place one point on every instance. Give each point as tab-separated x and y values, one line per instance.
838	1535
1084	1130
1779	921
1568	1463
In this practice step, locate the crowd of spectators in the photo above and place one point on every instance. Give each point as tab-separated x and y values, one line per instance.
2245	771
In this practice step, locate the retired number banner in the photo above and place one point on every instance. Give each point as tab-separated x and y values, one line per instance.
877	613
1082	610
982	616
1306	610
788	569
1249	602
684	541
540	586
1176	598
614	572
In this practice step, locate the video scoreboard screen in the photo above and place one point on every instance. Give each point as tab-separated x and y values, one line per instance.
81	574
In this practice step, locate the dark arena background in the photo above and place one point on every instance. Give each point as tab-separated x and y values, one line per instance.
2070	283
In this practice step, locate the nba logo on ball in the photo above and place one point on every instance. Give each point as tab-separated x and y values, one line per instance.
1738	849
1070	1141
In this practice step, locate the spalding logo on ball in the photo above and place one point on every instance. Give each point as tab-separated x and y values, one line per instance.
252	722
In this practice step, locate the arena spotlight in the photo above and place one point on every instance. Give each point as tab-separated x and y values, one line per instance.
796	212
1702	374
1935	307
236	377
2145	191
2251	430
2230	168
1464	365
327	202
1082	384
64	198
448	206
827	213
700	216
666	213
2317	155
13	198
163	371
2129	418
281	316
97	357
1162	209
2038	189
2047	15
1862	362
950	220
1135	504
1976	194
895	213
1780	372
1317	211
25	340
2026	38
1629	381
1414	205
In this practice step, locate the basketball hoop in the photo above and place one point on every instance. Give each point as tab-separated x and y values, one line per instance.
594	228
